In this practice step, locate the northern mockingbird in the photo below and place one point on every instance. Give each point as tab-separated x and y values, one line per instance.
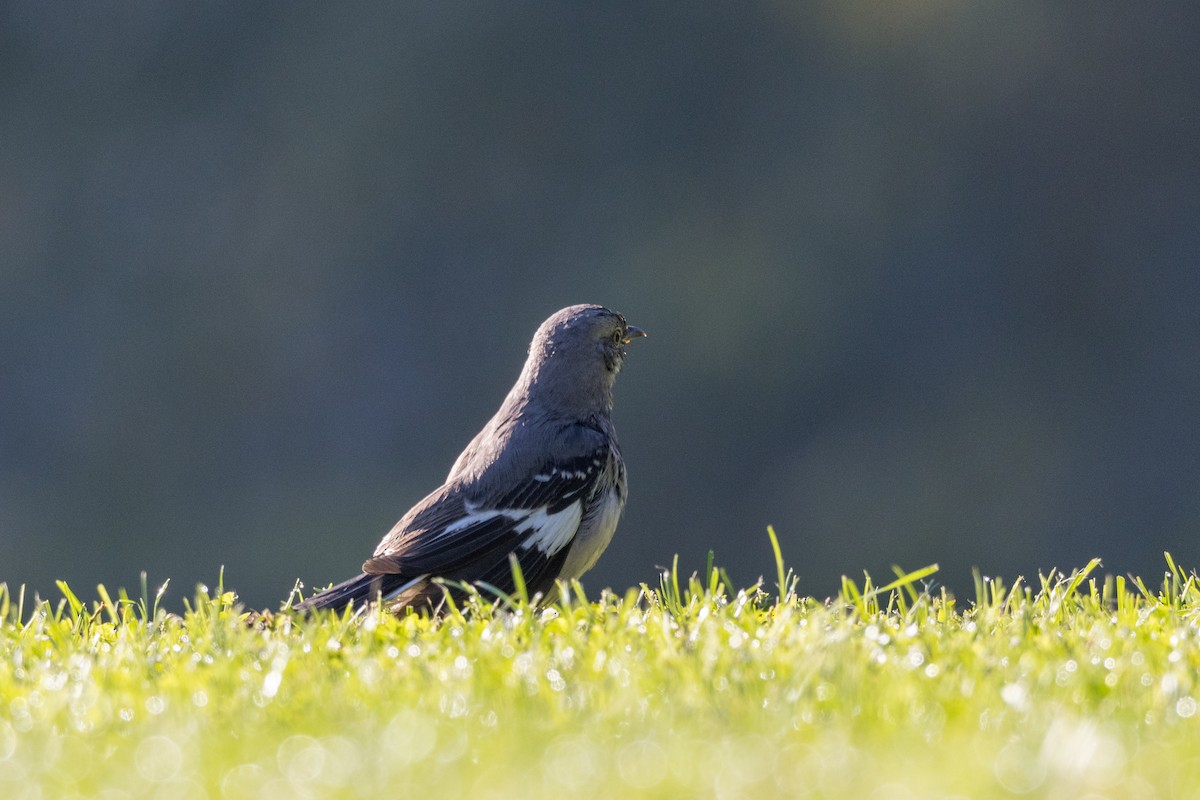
544	480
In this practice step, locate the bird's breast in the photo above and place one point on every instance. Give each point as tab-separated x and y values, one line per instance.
595	532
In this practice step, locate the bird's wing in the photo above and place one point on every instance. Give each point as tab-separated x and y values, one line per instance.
456	536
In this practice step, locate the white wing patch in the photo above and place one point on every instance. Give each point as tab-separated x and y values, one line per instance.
547	532
476	517
551	532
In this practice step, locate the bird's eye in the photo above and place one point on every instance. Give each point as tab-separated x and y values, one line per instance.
616	337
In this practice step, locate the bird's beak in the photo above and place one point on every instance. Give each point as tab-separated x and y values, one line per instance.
633	332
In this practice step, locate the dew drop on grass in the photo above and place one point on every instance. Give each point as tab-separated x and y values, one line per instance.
54	681
271	683
453	705
369	672
462	667
1013	694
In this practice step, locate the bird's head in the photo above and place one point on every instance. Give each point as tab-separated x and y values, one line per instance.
589	336
576	354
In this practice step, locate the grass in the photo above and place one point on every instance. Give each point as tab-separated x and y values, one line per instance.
1076	685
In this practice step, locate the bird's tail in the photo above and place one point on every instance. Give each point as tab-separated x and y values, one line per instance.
357	591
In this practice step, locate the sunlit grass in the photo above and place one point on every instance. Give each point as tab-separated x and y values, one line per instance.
1073	684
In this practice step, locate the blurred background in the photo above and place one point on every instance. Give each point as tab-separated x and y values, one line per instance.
921	279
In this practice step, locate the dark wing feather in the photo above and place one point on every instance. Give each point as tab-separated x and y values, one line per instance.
357	591
557	485
538	569
458	535
452	553
432	537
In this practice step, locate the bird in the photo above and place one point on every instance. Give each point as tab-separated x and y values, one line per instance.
543	482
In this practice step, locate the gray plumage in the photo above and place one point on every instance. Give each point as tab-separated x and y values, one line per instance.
543	480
